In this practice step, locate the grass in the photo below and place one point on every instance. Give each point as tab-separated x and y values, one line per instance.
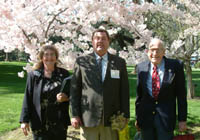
196	81
12	89
11	95
10	109
194	117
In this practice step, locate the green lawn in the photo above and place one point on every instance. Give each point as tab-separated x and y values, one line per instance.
12	88
196	81
11	95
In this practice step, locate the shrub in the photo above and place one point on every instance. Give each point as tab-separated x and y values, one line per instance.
197	65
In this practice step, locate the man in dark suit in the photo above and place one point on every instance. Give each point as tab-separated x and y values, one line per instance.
161	83
99	89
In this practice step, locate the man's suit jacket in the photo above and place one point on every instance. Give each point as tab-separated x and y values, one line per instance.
172	90
31	109
93	100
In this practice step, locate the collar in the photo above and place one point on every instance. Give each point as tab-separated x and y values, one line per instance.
40	72
159	65
104	57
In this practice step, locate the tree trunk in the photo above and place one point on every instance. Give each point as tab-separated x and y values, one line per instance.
6	59
136	1
190	86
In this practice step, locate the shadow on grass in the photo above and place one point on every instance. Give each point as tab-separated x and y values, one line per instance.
11	88
132	129
193	126
10	82
132	84
196	81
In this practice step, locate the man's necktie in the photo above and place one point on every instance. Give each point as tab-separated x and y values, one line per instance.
155	83
100	66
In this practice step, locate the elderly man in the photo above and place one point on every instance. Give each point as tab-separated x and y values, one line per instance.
160	83
99	89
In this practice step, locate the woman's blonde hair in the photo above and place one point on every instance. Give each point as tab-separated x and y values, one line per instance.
39	64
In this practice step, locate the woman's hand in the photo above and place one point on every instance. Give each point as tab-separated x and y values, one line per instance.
25	128
62	97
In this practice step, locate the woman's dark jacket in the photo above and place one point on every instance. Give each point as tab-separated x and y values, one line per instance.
31	109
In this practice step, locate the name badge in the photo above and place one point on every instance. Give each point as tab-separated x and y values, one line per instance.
115	74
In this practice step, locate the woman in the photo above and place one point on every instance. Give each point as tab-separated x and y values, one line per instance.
44	107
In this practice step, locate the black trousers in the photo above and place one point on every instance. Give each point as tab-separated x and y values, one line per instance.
53	133
157	132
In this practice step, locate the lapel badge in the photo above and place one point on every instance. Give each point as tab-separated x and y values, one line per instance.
112	64
170	70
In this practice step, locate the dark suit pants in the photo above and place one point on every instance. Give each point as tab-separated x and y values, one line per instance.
157	132
52	134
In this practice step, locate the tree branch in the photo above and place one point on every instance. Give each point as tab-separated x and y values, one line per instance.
51	22
25	34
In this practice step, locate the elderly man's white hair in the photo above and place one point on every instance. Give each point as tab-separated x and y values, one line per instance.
154	40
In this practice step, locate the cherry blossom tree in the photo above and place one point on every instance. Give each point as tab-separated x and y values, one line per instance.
27	25
188	41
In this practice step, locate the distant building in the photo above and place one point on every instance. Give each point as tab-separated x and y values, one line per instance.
194	59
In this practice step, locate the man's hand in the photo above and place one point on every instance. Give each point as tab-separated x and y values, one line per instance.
62	97
137	126
182	126
76	122
25	128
